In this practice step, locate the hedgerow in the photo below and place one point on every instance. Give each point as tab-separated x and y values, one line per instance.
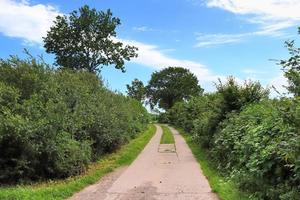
54	121
260	150
252	139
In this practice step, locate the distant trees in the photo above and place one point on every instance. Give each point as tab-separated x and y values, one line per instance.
171	85
136	90
84	39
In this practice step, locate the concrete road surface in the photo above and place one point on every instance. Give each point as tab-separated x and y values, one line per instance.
160	172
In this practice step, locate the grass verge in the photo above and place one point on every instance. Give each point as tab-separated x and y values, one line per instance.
167	136
63	189
225	189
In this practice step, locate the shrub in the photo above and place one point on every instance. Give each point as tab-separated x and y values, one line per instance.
260	151
54	122
202	115
235	96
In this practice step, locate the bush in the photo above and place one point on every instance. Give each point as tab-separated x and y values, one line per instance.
55	122
202	115
235	96
260	151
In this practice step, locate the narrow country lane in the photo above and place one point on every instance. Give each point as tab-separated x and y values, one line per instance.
157	174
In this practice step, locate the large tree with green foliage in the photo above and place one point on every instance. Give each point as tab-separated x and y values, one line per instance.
171	85
136	90
85	39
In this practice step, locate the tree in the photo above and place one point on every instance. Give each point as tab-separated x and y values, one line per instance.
85	39
291	68
136	90
172	85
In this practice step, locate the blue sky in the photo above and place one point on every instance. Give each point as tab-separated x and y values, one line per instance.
212	38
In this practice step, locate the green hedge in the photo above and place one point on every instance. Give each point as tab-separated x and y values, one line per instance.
260	151
54	122
62	189
252	140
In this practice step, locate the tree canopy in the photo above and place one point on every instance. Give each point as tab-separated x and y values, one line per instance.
171	85
85	39
136	90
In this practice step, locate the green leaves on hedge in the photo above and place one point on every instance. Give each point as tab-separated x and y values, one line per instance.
54	122
251	139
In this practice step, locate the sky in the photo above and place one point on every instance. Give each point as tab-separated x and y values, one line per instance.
212	38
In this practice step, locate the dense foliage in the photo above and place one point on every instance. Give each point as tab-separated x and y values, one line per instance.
261	150
85	39
171	85
136	90
54	122
250	138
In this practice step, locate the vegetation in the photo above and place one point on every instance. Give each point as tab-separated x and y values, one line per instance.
136	90
86	39
55	122
171	85
291	68
64	189
252	140
167	136
226	189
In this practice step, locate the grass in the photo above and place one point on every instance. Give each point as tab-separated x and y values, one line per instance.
63	189
225	189
167	136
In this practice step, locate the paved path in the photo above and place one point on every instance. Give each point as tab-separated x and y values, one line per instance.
158	173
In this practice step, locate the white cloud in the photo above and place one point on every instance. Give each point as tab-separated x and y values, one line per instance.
23	20
142	29
207	40
279	82
267	9
272	15
152	56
